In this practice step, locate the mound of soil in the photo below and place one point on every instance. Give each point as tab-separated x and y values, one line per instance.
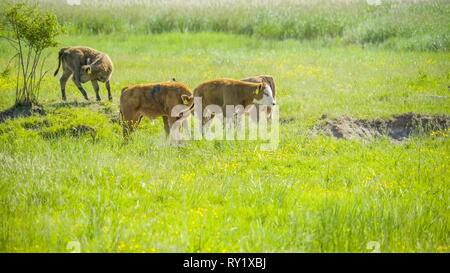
397	127
18	111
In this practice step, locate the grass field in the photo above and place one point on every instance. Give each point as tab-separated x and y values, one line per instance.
407	24
314	193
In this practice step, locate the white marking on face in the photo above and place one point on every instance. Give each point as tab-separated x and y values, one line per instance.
267	98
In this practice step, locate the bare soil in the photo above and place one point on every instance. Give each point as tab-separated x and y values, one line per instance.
398	127
18	111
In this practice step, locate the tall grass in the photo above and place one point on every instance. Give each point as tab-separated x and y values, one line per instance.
411	25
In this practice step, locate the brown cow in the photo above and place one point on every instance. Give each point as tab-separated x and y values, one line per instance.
152	100
86	64
223	92
259	79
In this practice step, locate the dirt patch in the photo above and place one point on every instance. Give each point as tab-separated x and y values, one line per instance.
18	111
398	127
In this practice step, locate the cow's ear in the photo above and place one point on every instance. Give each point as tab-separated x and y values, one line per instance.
88	70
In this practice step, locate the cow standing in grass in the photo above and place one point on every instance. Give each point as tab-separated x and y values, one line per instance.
223	92
152	100
85	64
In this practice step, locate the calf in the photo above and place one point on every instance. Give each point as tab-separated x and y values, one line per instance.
223	92
85	64
152	100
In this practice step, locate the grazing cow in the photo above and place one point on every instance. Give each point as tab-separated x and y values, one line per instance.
85	64
223	92
152	100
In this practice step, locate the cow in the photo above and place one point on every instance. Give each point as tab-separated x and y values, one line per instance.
152	100
259	79
85	64
223	92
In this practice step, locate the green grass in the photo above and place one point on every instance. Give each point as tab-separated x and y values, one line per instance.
313	194
421	26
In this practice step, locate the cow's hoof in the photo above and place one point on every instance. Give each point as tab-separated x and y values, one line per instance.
110	98
98	99
64	98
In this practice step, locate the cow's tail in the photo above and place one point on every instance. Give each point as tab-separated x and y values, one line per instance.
60	54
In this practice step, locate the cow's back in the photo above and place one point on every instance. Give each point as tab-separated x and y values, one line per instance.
171	94
77	56
154	98
211	92
225	91
132	96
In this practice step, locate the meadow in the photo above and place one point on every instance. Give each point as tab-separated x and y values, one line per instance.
409	24
67	176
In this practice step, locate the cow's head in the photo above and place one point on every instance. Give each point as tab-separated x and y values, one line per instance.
85	73
187	99
263	95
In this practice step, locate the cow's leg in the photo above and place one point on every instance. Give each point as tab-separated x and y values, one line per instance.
96	89
269	113
171	120
226	119
131	120
257	112
255	115
176	137
238	116
62	81
76	80
205	121
166	125
108	87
